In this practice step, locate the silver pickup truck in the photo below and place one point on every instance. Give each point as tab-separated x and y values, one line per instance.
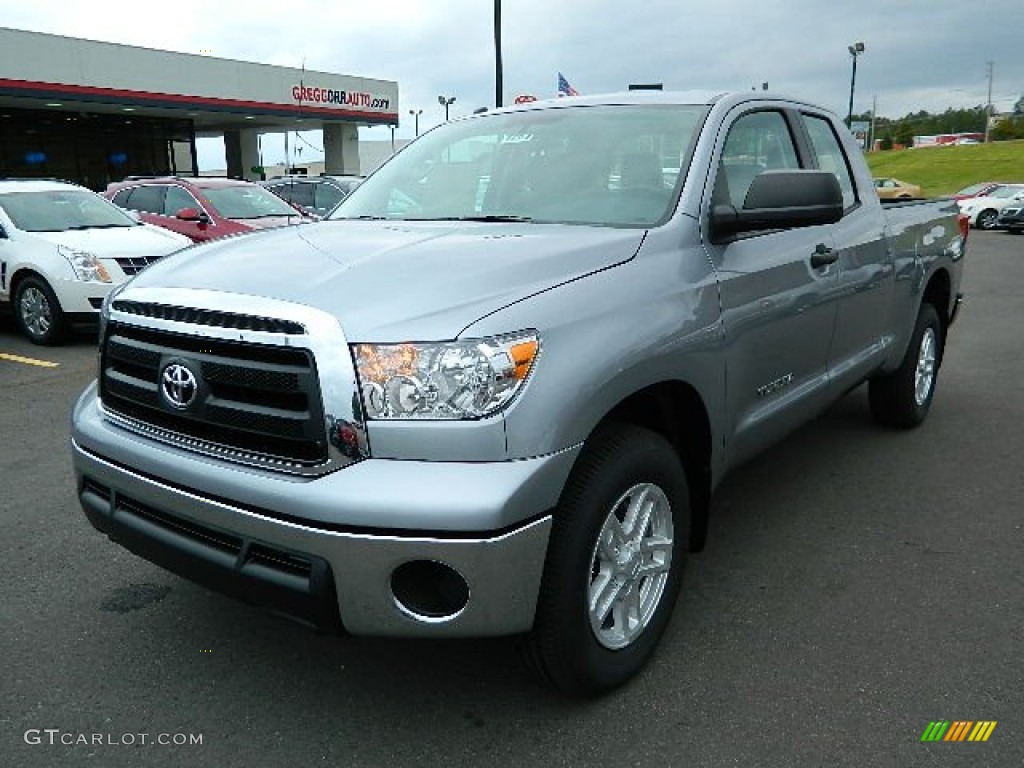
493	393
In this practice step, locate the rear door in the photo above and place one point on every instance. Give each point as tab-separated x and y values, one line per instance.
778	311
865	266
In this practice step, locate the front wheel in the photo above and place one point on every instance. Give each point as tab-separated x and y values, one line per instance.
615	561
986	220
902	398
38	312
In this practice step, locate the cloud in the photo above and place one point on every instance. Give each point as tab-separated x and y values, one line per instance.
919	55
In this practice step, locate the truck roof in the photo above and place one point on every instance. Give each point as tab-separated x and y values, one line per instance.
35	185
705	97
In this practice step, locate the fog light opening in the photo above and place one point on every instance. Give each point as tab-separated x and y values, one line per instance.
428	591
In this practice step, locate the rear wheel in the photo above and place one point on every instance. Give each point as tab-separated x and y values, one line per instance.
902	398
615	561
38	312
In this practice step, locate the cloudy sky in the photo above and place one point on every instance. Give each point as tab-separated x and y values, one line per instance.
920	54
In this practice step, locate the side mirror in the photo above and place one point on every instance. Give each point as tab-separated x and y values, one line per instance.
782	200
192	214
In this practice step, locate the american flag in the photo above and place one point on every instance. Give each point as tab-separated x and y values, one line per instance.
564	89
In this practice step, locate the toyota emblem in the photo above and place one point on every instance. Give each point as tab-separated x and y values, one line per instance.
178	385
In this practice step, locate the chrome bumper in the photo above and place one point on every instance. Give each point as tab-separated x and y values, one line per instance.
298	544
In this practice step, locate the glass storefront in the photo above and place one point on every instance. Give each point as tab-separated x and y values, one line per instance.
92	149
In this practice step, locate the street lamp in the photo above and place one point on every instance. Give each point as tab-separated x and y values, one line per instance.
416	114
445	102
855	50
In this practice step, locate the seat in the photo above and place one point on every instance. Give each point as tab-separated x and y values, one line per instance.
641	170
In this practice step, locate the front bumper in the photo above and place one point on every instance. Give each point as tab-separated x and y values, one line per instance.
81	297
326	550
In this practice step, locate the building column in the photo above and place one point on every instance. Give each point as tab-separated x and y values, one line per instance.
341	149
241	150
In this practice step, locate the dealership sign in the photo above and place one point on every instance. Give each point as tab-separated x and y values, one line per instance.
304	94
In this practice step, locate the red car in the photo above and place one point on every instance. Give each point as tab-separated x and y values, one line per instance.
203	208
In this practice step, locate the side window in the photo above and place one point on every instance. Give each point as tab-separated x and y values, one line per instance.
121	198
327	196
830	156
759	141
149	199
300	193
283	190
178	198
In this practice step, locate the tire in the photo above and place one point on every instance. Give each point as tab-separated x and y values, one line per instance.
986	219
902	398
598	548
38	312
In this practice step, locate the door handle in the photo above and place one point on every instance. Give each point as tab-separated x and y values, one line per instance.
823	256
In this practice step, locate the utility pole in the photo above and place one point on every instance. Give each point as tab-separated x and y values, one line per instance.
871	133
988	104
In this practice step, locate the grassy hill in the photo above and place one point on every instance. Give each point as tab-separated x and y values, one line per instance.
946	170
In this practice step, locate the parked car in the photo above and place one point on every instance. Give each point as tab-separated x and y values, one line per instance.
1011	218
494	392
316	195
204	208
63	248
976	190
894	189
983	212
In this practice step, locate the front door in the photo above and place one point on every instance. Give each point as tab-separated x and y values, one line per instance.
778	312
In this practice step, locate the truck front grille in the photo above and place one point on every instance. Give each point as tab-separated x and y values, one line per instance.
254	403
211	317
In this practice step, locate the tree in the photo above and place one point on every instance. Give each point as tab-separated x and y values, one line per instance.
904	134
1008	128
1018	108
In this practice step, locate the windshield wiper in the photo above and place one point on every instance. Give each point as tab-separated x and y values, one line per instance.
96	226
489	218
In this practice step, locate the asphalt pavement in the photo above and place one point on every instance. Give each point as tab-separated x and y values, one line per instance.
857	585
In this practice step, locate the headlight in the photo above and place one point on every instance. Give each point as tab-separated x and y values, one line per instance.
451	380
86	265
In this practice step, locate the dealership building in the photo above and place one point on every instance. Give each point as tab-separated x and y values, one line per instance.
96	112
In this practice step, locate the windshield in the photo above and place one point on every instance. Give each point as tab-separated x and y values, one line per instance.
973	189
245	202
1005	191
59	210
605	166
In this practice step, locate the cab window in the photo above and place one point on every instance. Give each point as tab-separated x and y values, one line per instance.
831	156
757	142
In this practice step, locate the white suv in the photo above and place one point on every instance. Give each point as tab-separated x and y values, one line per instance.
63	248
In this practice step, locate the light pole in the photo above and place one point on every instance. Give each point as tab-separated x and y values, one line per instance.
498	69
445	102
416	115
855	50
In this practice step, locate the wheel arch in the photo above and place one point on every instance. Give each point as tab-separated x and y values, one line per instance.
676	411
938	293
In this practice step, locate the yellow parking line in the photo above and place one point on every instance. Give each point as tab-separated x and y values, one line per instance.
28	360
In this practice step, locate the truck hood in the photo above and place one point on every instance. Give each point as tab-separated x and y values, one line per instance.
108	243
398	281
